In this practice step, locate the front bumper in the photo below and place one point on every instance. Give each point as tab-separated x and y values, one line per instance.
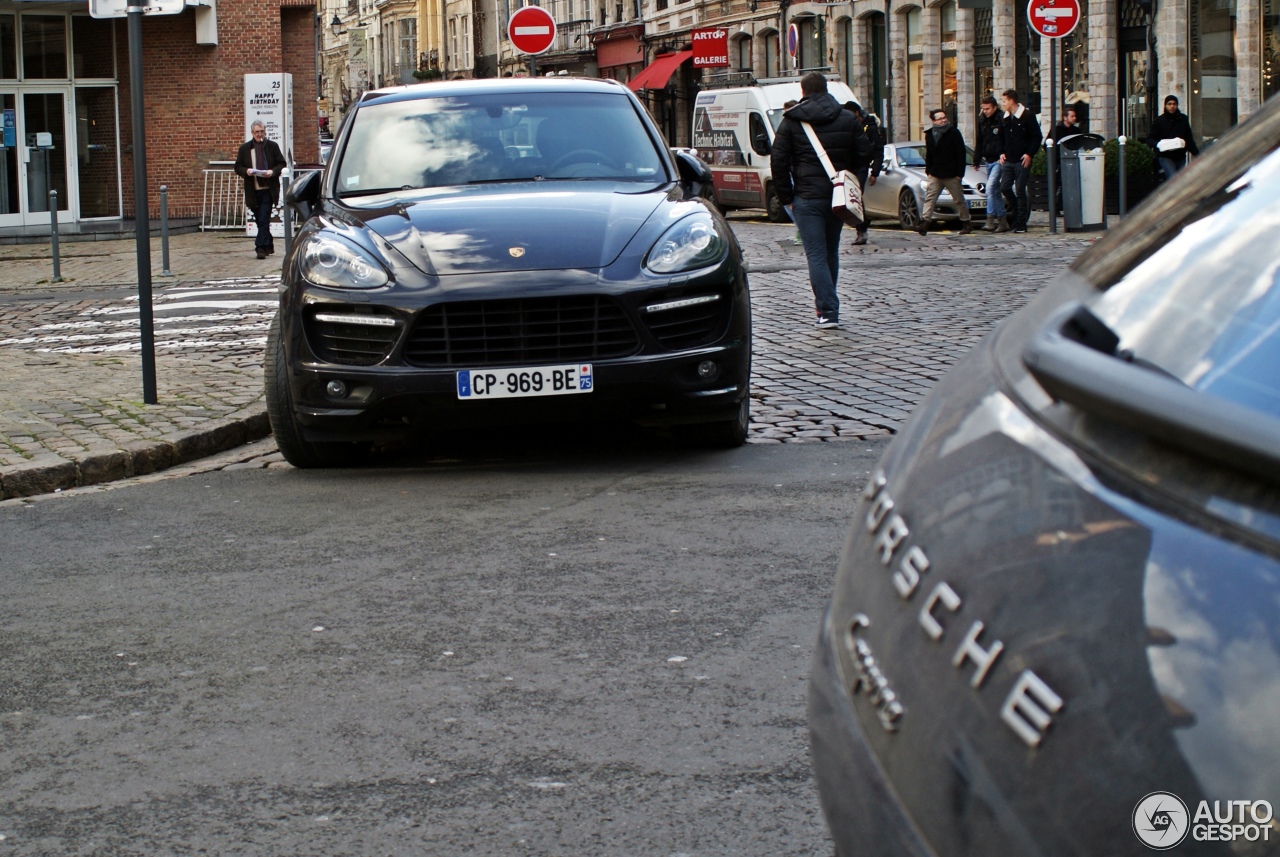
651	390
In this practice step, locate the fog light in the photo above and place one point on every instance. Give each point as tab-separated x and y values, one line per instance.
707	369
336	390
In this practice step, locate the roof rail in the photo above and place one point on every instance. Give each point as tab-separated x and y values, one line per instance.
723	79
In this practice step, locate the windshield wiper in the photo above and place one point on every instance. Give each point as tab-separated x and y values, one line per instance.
1075	359
374	191
513	180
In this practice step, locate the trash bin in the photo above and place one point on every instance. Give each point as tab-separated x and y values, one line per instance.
1082	167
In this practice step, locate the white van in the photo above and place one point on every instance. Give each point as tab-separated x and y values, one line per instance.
733	130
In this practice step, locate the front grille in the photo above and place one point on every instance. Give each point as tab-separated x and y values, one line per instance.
535	331
363	340
688	326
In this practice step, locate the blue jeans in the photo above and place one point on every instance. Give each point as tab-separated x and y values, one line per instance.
262	217
1013	184
820	234
995	200
1169	166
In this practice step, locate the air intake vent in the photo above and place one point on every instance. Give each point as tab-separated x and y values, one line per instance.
350	337
687	322
474	334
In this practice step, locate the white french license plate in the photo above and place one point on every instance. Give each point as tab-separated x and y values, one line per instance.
474	384
978	203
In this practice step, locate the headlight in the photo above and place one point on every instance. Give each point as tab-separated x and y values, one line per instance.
694	242
924	185
327	260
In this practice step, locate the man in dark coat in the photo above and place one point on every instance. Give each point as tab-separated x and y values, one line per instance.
804	186
1019	139
868	156
989	153
1172	126
944	164
259	163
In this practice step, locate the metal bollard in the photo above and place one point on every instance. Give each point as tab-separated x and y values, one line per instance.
1123	172
1051	157
286	213
164	232
53	235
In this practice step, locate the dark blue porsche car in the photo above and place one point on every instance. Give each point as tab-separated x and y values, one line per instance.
1055	628
498	252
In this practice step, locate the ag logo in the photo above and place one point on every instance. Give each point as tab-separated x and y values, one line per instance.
1161	821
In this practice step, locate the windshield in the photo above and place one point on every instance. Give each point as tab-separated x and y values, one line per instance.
1205	305
913	156
445	141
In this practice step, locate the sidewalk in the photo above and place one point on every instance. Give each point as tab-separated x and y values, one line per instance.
72	417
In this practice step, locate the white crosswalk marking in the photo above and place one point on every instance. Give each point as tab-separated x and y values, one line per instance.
220	314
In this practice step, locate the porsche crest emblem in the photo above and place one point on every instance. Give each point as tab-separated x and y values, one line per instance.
516	252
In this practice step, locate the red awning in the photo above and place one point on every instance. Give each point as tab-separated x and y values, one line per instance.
656	74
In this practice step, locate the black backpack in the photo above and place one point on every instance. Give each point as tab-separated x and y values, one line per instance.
867	141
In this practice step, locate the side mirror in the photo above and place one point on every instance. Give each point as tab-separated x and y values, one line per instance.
694	174
761	144
887	167
303	195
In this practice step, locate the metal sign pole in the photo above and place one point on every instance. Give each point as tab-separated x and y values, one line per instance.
142	226
1051	154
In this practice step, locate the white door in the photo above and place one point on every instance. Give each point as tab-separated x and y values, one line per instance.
36	156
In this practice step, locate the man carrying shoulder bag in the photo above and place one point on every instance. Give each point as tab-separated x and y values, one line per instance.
803	184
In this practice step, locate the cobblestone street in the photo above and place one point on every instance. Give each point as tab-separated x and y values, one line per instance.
71	412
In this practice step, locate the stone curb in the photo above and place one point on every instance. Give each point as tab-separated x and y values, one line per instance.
51	473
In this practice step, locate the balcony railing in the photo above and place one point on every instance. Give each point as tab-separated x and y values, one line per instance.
572	37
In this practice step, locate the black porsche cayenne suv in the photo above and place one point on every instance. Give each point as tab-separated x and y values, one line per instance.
491	252
1056	623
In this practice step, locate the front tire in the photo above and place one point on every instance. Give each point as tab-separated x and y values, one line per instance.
708	194
295	448
908	211
723	434
773	208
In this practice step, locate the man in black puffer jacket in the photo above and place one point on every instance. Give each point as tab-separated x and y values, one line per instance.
804	187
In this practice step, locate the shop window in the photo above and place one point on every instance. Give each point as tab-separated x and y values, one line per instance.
44	47
947	18
1212	96
1270	48
879	51
93	47
915	74
846	50
771	55
8	48
97	156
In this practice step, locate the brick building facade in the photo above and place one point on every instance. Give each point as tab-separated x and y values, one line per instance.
66	74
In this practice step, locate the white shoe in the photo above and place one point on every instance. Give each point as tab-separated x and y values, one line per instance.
826	323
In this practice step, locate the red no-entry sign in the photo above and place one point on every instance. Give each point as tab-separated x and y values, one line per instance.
1053	19
531	30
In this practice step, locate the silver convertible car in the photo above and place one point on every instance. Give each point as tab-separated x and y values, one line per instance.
899	192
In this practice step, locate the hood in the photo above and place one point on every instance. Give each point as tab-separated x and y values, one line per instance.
819	109
515	227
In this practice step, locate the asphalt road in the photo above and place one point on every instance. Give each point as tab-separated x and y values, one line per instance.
549	648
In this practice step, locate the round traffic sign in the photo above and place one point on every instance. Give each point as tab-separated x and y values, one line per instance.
1053	19
531	30
793	40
